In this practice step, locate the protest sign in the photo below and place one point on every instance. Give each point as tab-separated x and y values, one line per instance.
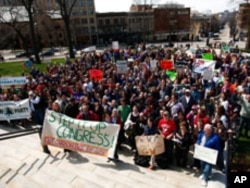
8	81
115	45
207	56
217	51
201	65
93	137
167	64
234	50
13	110
208	74
122	67
150	145
171	74
205	154
153	64
225	48
96	74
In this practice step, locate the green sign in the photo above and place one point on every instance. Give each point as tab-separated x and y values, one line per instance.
207	56
172	75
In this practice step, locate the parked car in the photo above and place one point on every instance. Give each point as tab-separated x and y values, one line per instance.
48	52
67	52
24	54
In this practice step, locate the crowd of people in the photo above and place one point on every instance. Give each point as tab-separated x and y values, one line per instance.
146	101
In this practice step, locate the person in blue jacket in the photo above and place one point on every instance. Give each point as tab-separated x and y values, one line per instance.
209	139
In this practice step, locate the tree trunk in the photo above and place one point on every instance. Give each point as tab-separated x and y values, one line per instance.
33	38
69	39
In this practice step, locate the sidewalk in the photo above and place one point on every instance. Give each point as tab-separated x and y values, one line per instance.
23	164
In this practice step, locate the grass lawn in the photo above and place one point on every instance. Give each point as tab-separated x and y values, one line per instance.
17	69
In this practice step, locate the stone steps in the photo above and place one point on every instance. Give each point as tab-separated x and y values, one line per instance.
23	164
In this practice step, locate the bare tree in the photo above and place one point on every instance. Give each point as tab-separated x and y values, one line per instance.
15	19
66	8
29	6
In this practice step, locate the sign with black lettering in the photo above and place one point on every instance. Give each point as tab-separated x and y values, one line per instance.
150	145
234	50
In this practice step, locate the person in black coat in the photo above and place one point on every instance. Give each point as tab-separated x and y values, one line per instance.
187	101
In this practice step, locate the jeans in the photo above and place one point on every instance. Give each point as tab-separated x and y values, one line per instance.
206	169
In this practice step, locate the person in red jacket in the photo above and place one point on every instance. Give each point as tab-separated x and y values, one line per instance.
167	129
201	116
86	114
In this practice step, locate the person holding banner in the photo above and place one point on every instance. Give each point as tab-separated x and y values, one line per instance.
151	129
209	139
113	119
38	106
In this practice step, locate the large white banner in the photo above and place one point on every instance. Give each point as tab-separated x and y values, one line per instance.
93	137
205	154
201	65
150	145
13	110
7	81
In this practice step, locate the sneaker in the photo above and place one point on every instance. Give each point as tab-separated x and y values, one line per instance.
204	183
201	177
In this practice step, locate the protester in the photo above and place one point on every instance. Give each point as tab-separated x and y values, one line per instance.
151	129
209	139
167	129
182	146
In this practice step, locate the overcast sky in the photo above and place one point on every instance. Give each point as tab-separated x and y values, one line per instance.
201	5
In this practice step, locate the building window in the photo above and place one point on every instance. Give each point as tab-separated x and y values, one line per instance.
181	12
92	29
76	21
90	3
107	21
122	20
116	21
172	22
100	22
91	20
81	3
90	12
84	21
85	29
172	13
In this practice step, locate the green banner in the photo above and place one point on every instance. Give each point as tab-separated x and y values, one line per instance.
172	75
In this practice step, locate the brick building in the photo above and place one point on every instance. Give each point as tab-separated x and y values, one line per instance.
243	20
172	23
